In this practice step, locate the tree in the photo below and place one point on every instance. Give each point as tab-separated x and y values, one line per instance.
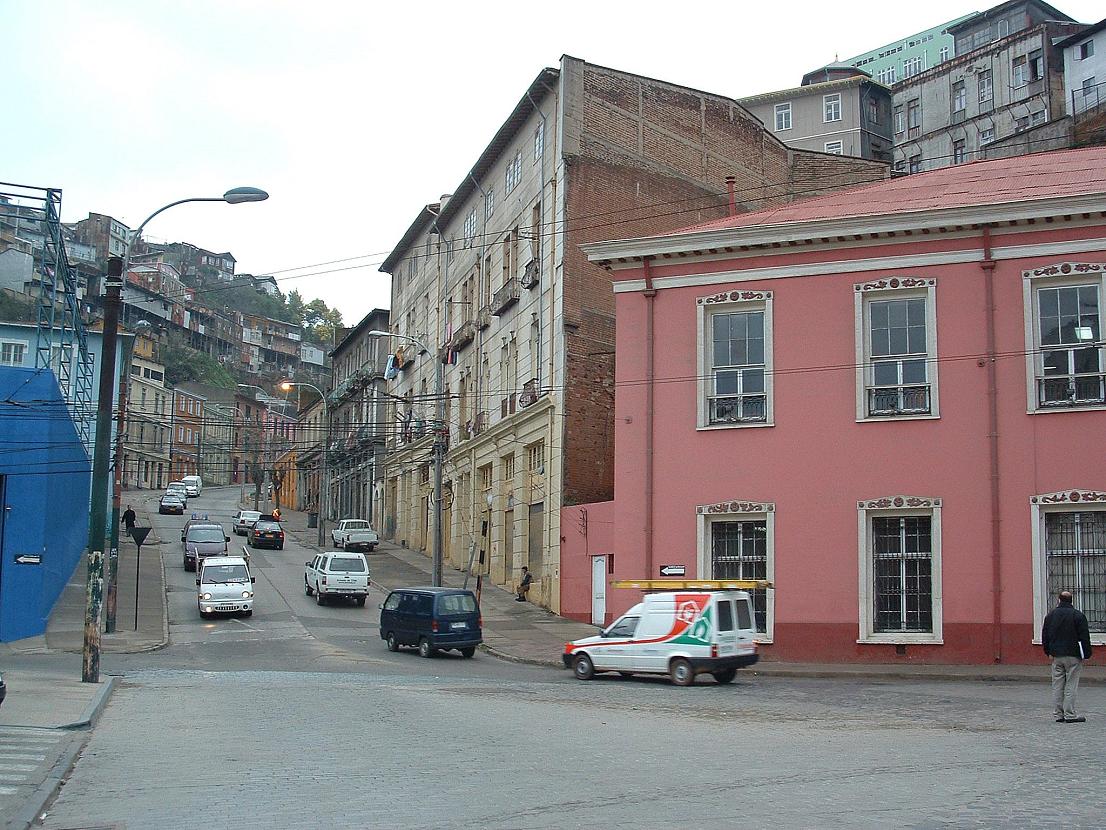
296	306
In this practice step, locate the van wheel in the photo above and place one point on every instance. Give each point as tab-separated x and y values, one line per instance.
725	676
425	649
247	613
393	643
583	668
468	652
307	588
360	601
681	672
319	598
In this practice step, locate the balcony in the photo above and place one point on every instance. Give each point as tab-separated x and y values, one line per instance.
1058	391
464	335
505	297
884	401
484	317
739	409
529	394
530	275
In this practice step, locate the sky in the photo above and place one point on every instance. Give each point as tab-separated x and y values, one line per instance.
352	115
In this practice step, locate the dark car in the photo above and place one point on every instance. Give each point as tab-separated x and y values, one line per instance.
202	539
171	504
266	534
432	619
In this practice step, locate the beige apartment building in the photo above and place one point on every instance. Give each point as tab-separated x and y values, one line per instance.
491	280
148	419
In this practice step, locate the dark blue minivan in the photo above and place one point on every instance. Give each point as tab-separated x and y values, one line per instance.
432	619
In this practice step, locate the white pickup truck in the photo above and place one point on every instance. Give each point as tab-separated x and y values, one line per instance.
354	534
337	574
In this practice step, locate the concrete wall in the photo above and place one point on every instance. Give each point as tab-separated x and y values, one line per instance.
44	487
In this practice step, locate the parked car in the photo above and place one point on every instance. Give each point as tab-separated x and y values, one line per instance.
171	504
178	488
266	533
202	539
432	619
194	485
679	634
225	584
337	575
354	534
243	520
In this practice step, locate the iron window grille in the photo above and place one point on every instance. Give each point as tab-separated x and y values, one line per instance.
898	355
739	550
902	552
737	389
1075	560
1070	347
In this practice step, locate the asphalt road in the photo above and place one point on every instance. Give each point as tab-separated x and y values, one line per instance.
300	717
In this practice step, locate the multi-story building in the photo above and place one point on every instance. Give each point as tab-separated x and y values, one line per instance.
310	436
146	436
1085	69
837	109
248	458
358	413
270	346
186	434
1002	95
899	422
106	235
216	431
492	282
904	58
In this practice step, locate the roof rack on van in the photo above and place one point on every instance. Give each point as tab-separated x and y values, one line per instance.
693	584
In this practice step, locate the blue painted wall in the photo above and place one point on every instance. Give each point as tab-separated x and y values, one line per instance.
45	475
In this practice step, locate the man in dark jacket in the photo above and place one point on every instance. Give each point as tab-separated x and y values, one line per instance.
128	519
1067	640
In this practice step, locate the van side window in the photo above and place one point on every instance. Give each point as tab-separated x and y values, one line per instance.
424	605
725	615
407	604
392	602
744	614
625	627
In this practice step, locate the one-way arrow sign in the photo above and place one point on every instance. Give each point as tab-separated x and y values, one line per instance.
29	559
673	570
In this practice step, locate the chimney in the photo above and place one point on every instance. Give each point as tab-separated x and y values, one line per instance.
730	182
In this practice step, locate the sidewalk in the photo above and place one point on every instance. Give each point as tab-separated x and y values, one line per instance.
525	633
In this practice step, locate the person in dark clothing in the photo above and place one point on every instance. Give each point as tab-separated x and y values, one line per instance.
1066	638
524	585
129	519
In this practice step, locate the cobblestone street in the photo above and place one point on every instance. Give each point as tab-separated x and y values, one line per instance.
283	749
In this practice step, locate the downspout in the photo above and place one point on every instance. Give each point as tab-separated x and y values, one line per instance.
988	266
650	295
537	243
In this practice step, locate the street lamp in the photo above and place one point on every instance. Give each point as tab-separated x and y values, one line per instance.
324	485
113	287
439	453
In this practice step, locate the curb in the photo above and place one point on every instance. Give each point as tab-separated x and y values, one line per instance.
95	706
526	661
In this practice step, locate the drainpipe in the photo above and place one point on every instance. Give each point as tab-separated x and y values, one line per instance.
988	266
650	295
541	223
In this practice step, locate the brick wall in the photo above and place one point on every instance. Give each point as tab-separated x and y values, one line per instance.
644	157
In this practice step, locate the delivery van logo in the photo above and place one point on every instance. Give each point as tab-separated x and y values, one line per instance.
688	612
692	624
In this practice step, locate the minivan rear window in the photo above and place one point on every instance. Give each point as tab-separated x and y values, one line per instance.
725	615
456	604
744	615
347	564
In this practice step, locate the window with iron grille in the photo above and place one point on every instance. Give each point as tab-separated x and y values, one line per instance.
1075	560
1070	360
902	571
898	356
739	550
737	391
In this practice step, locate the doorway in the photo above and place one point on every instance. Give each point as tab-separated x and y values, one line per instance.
598	590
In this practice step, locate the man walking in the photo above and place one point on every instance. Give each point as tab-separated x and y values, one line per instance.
129	519
1067	640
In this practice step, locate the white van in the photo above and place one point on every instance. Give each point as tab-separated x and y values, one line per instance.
193	485
678	633
224	585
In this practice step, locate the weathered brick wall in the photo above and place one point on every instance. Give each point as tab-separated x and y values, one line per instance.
644	157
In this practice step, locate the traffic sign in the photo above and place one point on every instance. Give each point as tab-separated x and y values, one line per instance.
673	570
139	534
28	559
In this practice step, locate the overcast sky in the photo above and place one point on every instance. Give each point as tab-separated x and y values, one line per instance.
352	114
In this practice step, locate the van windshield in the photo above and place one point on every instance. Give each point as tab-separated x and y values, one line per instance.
347	564
205	534
456	604
221	574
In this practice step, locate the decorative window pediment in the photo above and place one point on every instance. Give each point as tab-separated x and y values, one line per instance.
898	503
736	506
1070	497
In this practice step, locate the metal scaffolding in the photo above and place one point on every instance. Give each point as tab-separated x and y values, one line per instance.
32	215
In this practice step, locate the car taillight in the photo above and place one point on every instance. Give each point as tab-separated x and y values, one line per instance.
479	622
434	625
324	579
714	650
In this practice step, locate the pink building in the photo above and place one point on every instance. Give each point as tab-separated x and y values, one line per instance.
889	401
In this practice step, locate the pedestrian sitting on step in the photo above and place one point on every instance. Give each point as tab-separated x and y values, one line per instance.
523	586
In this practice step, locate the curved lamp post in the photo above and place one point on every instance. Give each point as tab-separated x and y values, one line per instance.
324	485
439	452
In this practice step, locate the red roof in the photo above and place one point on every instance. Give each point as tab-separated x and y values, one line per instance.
1018	179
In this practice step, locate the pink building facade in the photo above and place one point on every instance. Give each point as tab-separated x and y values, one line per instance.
888	401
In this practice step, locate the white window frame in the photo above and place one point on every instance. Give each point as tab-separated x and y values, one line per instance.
1068	501
740	510
894	288
892	506
726	302
983	140
1057	275
26	348
782	110
831	107
837	148
539	143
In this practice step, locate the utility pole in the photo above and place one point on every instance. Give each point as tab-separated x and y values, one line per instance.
112	587
94	588
440	433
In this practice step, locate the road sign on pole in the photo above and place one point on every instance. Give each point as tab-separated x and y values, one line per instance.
139	535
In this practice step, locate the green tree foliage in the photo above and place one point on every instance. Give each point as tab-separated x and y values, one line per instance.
320	323
183	363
